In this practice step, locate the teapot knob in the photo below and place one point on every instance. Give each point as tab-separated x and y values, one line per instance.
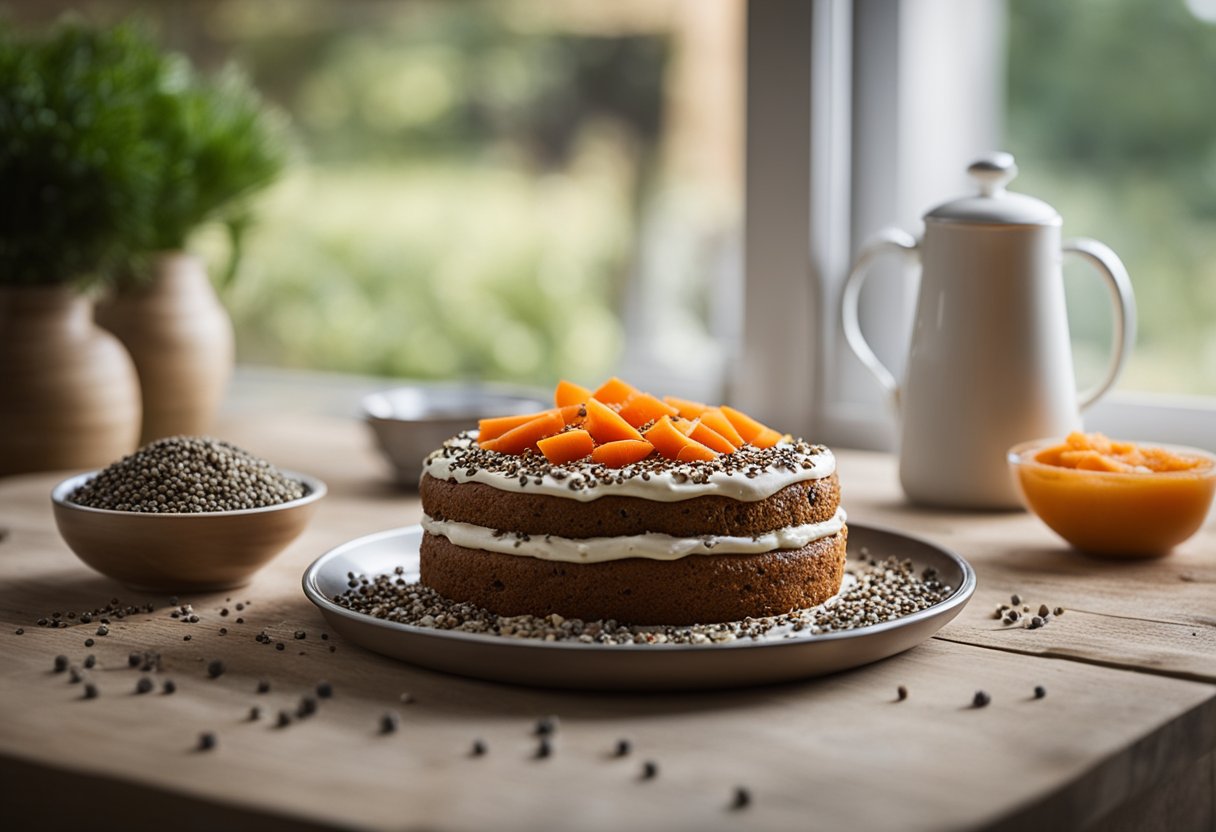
992	172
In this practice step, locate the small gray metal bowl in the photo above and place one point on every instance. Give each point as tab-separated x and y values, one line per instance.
410	422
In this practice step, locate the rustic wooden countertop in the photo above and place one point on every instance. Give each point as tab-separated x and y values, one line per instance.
1125	738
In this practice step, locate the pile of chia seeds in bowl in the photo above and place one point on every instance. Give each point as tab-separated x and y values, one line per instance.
873	591
188	475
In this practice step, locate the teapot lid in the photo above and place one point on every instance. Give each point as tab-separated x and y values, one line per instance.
994	205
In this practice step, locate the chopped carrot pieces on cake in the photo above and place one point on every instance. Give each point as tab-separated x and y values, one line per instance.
710	438
606	425
643	408
747	427
524	438
617	411
715	420
614	391
687	409
488	429
622	452
567	447
569	393
670	441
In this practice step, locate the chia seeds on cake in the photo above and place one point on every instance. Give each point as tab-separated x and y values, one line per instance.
465	454
187	475
873	592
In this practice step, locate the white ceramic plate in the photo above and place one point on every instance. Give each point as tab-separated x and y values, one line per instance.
630	667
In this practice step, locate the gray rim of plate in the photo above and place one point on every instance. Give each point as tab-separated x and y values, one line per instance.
959	597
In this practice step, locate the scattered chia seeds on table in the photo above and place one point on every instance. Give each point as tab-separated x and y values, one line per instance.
981	699
20	631
545	726
479	748
742	798
544	749
187	474
389	722
215	668
90	690
623	747
90	660
650	770
325	690
263	686
1039	691
902	693
61	663
873	592
168	687
144	685
206	741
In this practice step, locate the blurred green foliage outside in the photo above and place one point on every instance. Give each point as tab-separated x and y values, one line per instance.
1112	117
465	196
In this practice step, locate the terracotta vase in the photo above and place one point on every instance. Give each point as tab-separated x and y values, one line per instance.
180	337
69	396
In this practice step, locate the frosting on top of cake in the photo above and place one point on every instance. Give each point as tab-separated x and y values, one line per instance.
748	474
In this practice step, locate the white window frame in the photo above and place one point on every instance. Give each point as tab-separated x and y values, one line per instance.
859	116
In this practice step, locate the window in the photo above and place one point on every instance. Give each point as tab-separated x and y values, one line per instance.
899	98
1123	142
505	191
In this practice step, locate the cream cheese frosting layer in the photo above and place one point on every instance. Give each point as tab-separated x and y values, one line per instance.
649	546
751	475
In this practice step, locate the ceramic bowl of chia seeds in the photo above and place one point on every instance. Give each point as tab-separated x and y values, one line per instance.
410	422
184	513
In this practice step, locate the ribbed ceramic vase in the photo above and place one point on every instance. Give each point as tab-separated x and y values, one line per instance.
69	396
180	337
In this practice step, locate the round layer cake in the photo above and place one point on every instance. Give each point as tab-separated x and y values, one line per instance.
753	533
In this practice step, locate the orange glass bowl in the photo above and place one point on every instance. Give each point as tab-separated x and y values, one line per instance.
1131	515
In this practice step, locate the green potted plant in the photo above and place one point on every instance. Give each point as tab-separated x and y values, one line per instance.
216	145
73	166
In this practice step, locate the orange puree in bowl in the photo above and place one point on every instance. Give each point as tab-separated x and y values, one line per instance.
1094	452
1116	498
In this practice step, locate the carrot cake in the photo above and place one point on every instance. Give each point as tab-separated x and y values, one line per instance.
618	505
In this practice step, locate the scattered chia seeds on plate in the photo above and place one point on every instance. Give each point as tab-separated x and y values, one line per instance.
873	592
187	475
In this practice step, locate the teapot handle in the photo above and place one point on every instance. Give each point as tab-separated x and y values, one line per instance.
886	241
1123	337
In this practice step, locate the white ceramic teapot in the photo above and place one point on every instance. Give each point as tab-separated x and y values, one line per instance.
990	363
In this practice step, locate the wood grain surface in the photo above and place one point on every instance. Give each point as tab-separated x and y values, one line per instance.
1126	732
